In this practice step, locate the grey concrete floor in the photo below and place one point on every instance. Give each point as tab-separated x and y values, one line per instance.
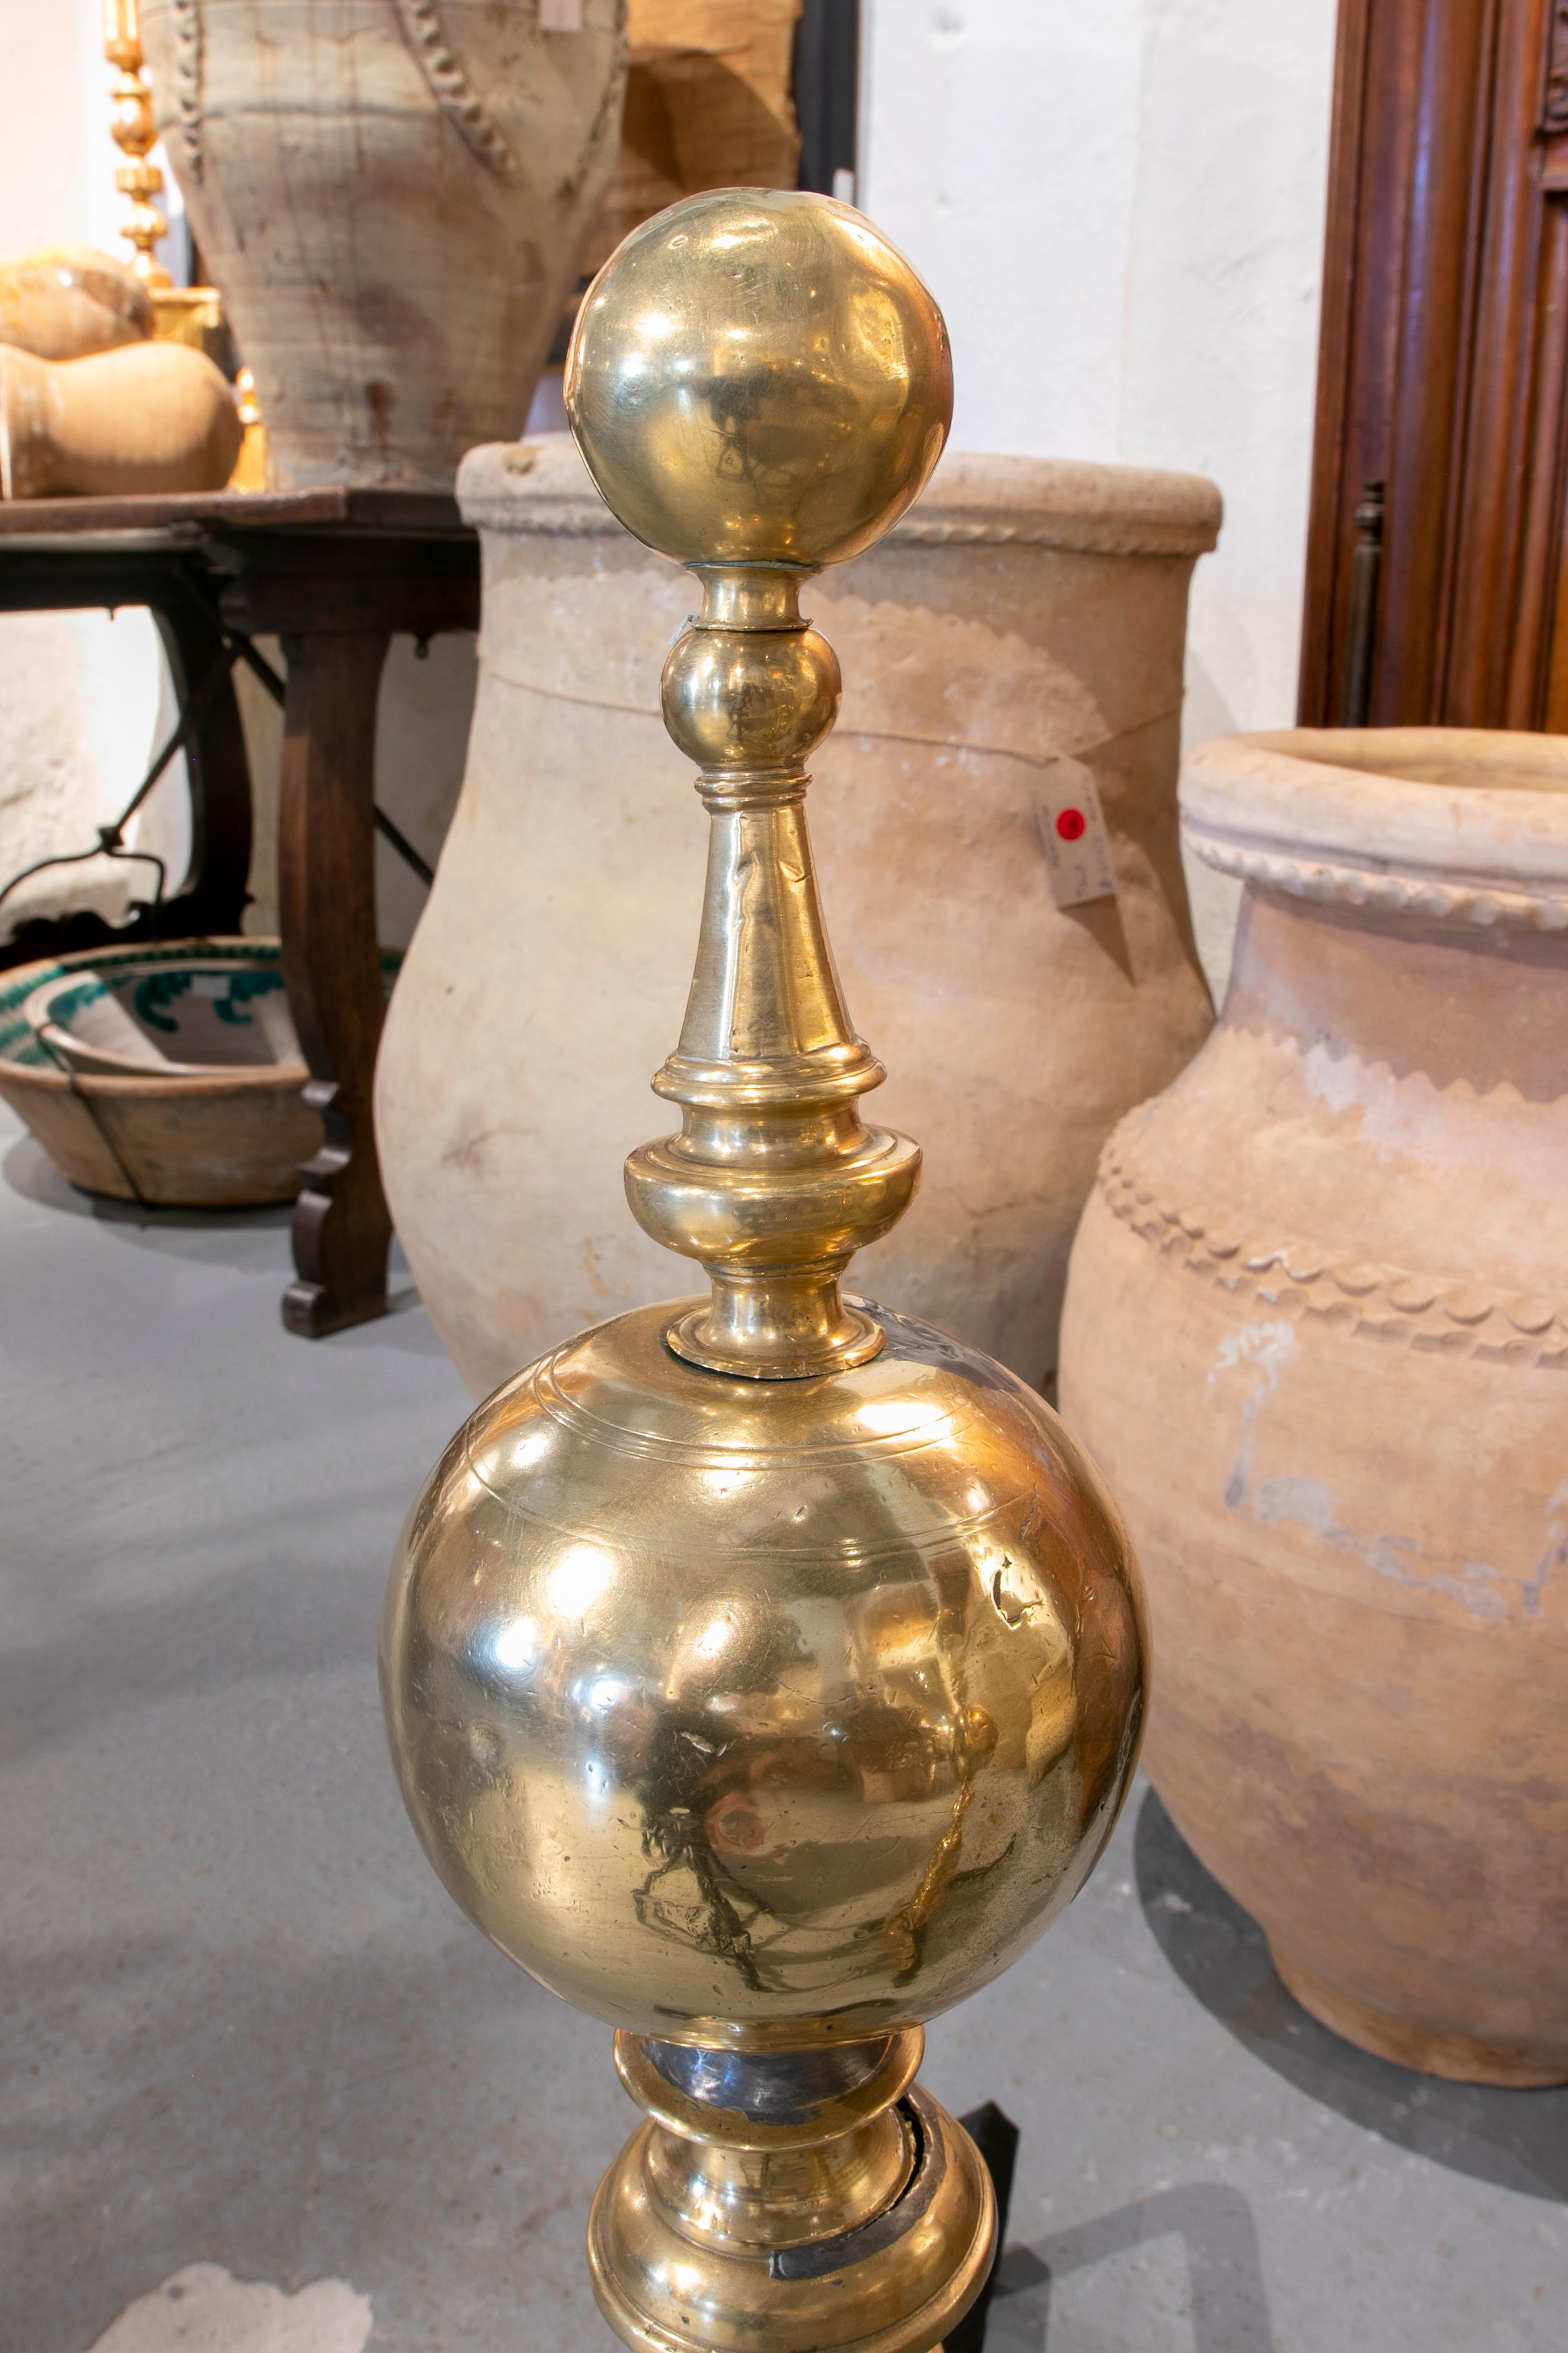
243	2026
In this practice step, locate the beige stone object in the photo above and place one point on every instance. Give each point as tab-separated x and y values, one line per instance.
62	302
1317	1338
1023	626
148	417
708	105
391	197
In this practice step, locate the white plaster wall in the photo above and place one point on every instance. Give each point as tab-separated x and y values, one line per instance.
1120	206
83	699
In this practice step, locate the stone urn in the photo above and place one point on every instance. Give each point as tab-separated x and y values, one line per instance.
392	197
1317	1338
1022	625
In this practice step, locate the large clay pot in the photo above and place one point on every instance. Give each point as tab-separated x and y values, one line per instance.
392	197
1317	1339
1023	611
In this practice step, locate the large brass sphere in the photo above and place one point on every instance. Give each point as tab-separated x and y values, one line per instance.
762	1712
757	375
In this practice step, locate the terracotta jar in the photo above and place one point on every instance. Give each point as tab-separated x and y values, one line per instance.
1317	1339
1024	623
392	197
141	417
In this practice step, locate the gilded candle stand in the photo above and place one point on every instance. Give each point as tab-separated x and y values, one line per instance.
765	1672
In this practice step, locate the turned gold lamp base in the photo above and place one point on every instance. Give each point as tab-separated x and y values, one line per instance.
789	2203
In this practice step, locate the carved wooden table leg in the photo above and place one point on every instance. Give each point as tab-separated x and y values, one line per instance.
214	898
332	967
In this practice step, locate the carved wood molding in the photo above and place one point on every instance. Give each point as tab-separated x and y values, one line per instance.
1554	112
1443	363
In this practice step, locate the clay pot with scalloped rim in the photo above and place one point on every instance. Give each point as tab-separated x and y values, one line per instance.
1316	1337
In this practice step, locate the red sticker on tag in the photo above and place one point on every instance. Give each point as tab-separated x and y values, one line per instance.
1073	832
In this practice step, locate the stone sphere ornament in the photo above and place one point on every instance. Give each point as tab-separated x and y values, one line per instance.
764	1671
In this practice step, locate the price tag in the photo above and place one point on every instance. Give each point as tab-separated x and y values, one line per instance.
1073	834
560	15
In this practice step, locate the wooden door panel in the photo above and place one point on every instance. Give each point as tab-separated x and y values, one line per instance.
1443	362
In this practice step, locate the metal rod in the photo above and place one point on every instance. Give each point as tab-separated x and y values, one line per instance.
404	847
110	837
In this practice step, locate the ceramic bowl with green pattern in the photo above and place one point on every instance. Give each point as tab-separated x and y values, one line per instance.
167	1075
176	1019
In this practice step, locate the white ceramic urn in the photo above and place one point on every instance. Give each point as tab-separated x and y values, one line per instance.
1016	639
392	197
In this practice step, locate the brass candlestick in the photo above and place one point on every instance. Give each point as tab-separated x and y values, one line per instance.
180	314
135	136
765	1673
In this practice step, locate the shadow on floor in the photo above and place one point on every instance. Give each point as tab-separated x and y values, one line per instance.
1517	2140
201	1234
1228	2308
28	1171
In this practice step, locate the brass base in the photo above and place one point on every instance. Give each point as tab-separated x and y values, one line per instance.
800	2203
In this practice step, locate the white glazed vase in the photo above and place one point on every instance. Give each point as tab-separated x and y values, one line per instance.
1025	613
392	197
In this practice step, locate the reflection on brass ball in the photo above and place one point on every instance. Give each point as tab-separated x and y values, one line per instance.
762	1712
759	376
739	697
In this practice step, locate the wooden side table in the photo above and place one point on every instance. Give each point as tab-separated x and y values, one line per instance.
334	573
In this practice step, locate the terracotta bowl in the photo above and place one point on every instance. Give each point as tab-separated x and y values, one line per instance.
140	1113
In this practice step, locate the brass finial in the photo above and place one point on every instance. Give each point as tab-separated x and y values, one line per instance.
135	136
766	1717
180	314
760	385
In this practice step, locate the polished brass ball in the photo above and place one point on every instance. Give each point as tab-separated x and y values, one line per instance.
757	375
762	1712
733	698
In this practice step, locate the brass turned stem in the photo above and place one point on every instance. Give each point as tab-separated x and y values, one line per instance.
136	135
774	1180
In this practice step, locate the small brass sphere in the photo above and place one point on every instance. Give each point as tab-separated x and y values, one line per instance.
762	1712
759	376
735	697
